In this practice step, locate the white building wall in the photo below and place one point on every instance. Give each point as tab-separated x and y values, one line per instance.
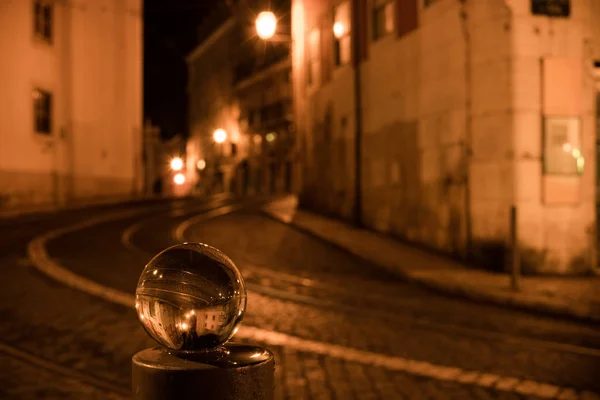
551	77
413	124
452	125
93	70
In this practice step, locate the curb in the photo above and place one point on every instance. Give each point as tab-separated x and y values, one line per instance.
455	290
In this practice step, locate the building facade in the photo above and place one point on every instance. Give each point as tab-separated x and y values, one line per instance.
239	88
212	107
71	100
461	111
266	115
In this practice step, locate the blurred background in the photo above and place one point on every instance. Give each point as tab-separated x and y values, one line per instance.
415	149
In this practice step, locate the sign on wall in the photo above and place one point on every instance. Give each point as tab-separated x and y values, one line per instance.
563	154
551	8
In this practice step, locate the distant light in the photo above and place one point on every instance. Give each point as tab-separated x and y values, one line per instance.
576	153
179	179
176	164
183	326
266	24
257	139
271	136
580	164
338	29
201	164
567	147
220	135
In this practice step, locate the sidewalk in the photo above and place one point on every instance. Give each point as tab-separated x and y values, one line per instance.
576	297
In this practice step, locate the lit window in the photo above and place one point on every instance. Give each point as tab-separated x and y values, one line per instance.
42	14
562	146
341	33
42	111
383	20
314	61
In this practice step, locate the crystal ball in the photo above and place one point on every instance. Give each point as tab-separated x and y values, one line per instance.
190	297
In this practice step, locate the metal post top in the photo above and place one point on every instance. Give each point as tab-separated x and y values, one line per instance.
225	357
231	372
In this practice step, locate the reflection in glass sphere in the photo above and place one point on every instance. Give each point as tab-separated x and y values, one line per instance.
190	297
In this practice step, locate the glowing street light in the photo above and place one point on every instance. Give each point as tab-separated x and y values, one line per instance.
266	24
271	136
179	179
338	30
201	164
220	135
176	164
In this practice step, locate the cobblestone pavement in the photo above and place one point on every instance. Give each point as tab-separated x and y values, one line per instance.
85	344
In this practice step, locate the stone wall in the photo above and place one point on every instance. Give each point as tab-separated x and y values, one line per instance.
452	132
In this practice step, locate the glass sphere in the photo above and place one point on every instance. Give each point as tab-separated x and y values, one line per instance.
191	297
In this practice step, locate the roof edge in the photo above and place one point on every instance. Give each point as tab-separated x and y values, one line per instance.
209	41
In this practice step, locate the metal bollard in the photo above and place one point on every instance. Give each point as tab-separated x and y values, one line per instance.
191	299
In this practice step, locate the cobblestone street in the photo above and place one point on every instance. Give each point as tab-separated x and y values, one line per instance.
340	328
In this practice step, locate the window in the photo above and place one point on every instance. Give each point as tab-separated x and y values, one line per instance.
42	14
383	19
341	33
42	111
314	63
562	146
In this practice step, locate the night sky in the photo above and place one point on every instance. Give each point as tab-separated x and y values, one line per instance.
171	30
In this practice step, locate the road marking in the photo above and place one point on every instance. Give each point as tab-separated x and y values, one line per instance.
100	383
44	263
38	255
179	232
127	234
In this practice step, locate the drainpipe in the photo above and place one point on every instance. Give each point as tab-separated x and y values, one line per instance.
468	133
357	119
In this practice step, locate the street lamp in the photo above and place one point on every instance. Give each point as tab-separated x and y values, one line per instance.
179	179
176	164
220	135
338	30
266	24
